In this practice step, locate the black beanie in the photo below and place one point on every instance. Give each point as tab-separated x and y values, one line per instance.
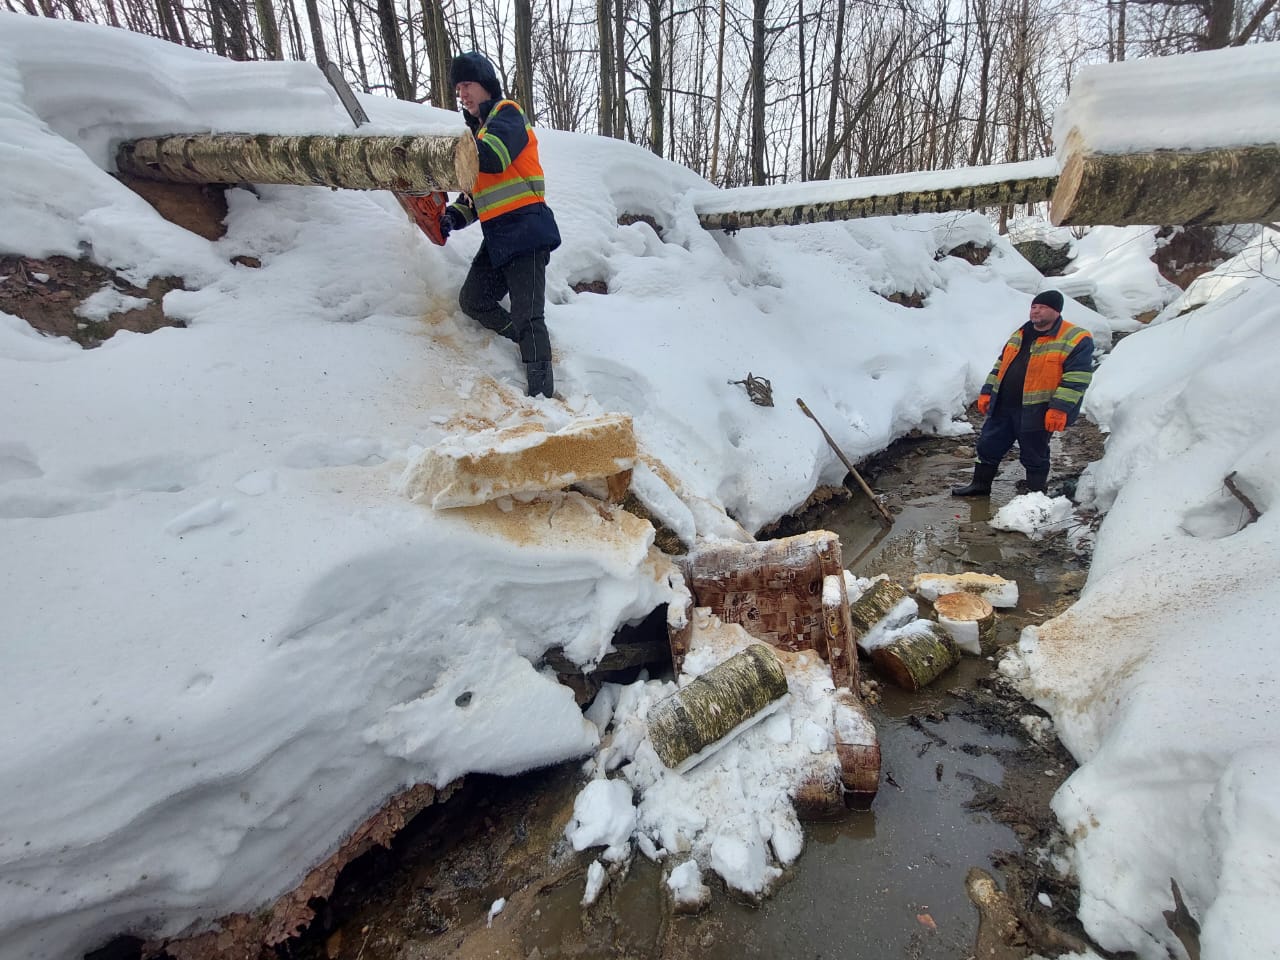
476	68
1050	298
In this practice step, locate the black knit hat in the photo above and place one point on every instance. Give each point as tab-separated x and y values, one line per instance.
1050	298
476	68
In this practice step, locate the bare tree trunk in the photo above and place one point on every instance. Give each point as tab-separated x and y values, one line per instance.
524	57
715	125
655	76
317	33
358	45
604	28
620	69
438	59
804	97
837	59
269	28
168	23
759	8
1221	19
389	23
295	32
1122	12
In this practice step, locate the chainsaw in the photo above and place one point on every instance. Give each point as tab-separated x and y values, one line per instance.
424	209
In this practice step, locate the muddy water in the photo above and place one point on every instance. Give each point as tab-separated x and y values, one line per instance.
882	883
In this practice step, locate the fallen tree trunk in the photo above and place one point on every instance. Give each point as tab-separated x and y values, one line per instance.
998	194
1225	185
419	164
718	703
917	656
969	619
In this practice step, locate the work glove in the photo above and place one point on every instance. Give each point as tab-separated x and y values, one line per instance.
984	403
1055	421
450	221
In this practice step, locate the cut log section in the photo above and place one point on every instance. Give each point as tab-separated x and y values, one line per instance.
857	748
1227	185
476	468
883	597
835	616
724	700
421	164
969	619
820	796
917	655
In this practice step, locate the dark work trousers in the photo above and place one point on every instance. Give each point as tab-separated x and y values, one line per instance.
524	277
1002	429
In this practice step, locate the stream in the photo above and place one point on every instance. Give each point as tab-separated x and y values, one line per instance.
963	785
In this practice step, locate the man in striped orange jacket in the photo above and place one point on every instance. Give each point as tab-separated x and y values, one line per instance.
1033	391
519	229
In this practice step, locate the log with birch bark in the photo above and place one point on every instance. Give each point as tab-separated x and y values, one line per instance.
879	600
917	655
969	619
414	164
997	194
721	702
1224	185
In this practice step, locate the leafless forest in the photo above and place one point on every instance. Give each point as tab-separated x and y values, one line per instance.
742	91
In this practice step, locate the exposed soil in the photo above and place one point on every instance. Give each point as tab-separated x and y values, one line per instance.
47	294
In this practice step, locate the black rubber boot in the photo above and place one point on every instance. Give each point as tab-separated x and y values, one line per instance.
1037	482
541	379
980	485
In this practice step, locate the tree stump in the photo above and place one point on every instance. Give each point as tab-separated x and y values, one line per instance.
969	619
917	655
722	701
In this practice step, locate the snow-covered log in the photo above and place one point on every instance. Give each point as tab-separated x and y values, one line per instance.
476	468
969	619
418	164
917	655
1226	185
942	200
857	748
840	638
880	599
722	701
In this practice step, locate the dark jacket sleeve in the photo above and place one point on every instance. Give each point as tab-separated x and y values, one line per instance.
1077	372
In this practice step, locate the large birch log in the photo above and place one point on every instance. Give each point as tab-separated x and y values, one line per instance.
1226	185
722	701
917	655
419	164
969	619
1001	193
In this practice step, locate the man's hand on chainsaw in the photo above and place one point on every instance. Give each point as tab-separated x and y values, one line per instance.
449	222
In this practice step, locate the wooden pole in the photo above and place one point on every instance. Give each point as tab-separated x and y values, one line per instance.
885	517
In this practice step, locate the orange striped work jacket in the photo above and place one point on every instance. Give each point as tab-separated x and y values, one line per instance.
1058	372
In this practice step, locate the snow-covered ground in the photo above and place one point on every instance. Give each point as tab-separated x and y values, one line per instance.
229	636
